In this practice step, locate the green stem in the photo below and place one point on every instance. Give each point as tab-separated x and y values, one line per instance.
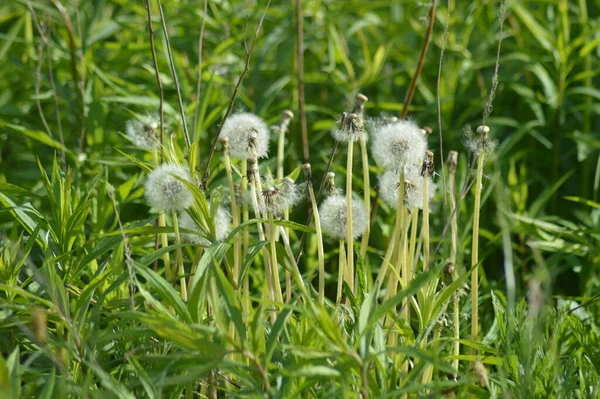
342	268
320	250
425	222
349	233
453	250
475	251
179	258
237	244
364	244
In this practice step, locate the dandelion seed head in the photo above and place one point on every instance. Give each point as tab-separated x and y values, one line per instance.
245	130
164	192
142	132
398	145
413	188
333	214
350	128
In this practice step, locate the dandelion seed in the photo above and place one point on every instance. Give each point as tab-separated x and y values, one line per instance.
244	130
333	217
398	145
164	192
413	188
142	132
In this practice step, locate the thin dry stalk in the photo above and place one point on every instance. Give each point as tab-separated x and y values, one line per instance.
249	50
186	134
300	77
161	94
199	84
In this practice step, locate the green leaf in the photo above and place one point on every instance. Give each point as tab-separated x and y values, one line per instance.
164	290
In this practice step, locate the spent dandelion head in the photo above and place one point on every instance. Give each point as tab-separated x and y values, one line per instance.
143	132
427	169
284	122
165	192
280	195
480	143
333	213
350	128
329	184
245	130
398	145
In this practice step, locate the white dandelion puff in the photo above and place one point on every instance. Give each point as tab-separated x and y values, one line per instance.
143	132
398	145
164	192
244	130
333	214
413	188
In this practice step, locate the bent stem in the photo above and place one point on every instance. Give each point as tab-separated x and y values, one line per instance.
179	258
349	234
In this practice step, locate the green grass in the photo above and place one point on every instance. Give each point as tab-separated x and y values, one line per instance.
86	308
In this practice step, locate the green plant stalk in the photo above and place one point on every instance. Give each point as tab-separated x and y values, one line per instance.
245	232
245	210
342	268
364	244
404	262
288	274
453	250
387	258
237	244
274	264
320	250
271	236
286	212
475	251
179	258
399	226
164	242
410	259
349	234
264	251
426	249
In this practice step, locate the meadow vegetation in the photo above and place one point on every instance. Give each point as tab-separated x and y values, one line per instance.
312	198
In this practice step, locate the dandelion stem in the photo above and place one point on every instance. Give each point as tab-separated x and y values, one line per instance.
342	268
317	219
364	244
261	236
237	245
179	258
426	248
452	161
397	258
349	233
164	242
475	250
